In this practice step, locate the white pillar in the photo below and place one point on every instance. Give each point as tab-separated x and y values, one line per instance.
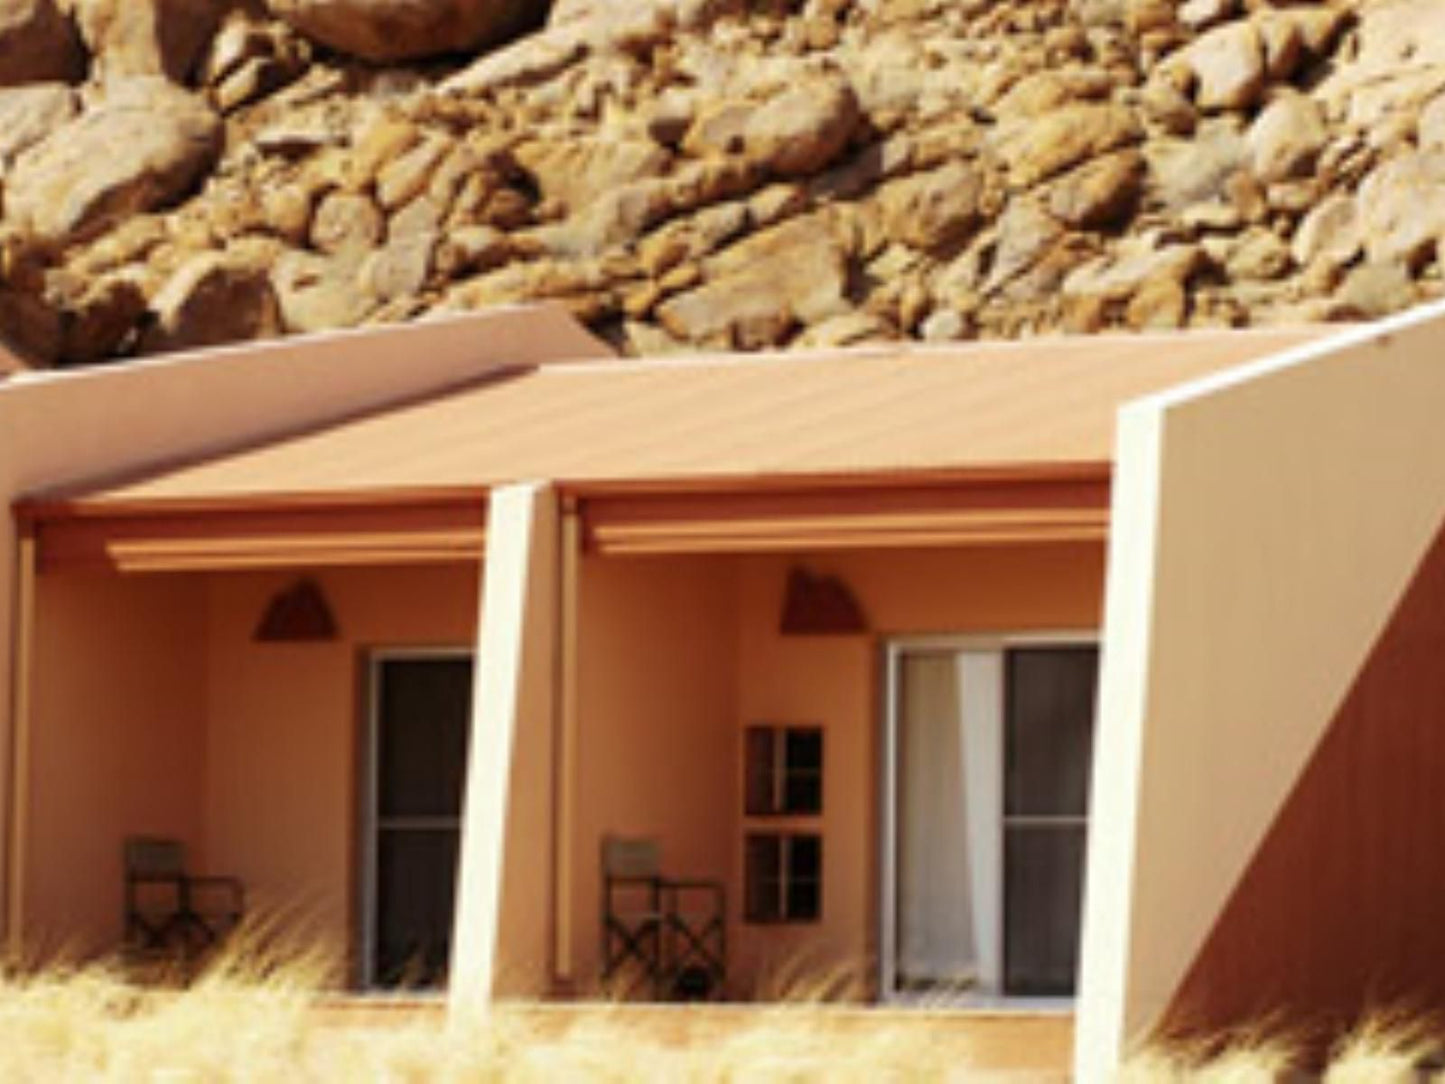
501	936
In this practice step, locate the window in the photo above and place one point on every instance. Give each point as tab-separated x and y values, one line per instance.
784	876
988	749
784	771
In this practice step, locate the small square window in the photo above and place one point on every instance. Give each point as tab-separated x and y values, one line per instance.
784	877
783	771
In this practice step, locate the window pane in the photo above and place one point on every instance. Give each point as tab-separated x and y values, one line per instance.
759	770
1049	730
415	883
422	736
1043	893
763	888
805	871
803	785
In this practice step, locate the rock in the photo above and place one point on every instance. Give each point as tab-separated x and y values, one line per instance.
100	322
850	329
944	325
528	62
316	294
935	210
1025	232
1430	125
803	129
1228	66
1161	304
29	113
1286	138
212	300
760	290
572	172
392	30
1260	255
1037	150
29	327
1116	277
403	178
1101	193
37	44
400	268
1329	233
1374	290
1202	14
1185	171
140	148
472	250
147	37
719	128
1400	208
346	222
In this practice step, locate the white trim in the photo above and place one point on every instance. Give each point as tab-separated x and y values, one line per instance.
371	819
984	767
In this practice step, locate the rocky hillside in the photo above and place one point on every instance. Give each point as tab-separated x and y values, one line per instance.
712	173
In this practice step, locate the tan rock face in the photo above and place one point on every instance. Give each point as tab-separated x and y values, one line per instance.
210	301
390	30
141	148
685	174
29	113
37	44
147	37
1064	138
804	129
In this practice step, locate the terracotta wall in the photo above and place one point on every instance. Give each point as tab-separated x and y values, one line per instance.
284	720
118	743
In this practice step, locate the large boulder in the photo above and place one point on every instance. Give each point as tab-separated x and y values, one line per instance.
140	148
37	44
389	30
28	114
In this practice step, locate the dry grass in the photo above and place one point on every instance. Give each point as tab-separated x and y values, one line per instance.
243	1020
1388	1047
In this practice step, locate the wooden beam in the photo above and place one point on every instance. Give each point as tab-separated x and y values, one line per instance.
18	813
872	516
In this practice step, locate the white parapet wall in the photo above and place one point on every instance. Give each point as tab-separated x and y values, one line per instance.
1265	526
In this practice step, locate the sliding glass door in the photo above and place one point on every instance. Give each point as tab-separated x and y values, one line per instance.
416	763
987	748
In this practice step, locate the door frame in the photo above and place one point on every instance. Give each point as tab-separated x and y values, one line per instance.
894	649
373	660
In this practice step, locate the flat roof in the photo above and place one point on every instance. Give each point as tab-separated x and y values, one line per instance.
1025	406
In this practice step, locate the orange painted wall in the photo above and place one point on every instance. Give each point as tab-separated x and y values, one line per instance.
657	720
834	681
118	743
285	719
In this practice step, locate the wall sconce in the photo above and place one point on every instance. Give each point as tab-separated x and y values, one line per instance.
820	605
298	614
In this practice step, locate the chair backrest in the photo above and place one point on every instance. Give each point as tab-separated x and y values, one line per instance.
624	856
153	856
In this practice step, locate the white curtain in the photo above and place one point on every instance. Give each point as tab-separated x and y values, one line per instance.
937	936
949	793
